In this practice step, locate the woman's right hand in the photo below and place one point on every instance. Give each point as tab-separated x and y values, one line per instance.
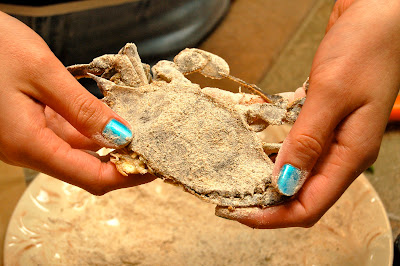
48	119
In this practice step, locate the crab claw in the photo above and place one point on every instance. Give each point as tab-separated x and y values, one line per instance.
104	85
209	65
124	68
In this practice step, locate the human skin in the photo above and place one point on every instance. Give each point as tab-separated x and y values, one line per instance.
48	120
354	81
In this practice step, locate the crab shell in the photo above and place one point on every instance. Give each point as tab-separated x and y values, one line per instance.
188	138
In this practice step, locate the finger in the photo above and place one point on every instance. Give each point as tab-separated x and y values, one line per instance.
58	89
333	173
51	155
67	132
38	73
28	143
307	208
308	137
338	85
339	8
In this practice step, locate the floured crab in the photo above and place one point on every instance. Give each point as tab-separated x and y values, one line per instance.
201	139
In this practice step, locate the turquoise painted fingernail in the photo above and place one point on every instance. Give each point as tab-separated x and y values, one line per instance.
117	133
289	180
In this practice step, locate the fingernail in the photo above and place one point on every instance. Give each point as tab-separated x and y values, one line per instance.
289	180
117	133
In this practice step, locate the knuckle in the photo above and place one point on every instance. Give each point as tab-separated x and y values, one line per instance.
331	77
5	159
39	57
311	213
96	190
310	220
87	110
368	152
15	157
15	147
307	144
98	185
11	154
92	185
370	156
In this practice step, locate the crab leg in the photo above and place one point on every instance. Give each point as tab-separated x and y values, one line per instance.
97	67
124	68
212	66
130	50
254	88
81	71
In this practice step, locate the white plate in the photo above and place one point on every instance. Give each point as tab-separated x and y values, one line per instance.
158	224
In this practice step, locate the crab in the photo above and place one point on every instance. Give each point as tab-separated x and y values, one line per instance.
204	140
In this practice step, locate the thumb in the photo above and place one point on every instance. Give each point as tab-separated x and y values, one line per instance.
306	140
89	115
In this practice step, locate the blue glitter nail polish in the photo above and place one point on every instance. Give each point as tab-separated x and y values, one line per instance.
289	179
117	133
